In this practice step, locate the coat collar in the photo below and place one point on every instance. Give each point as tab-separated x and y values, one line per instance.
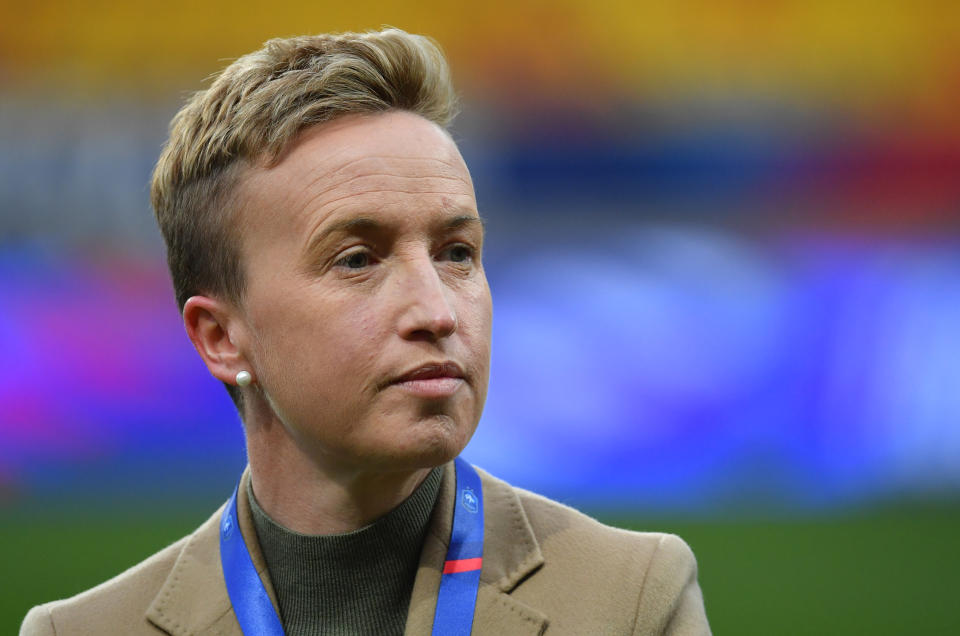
194	600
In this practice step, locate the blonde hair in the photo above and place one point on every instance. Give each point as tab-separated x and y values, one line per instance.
251	113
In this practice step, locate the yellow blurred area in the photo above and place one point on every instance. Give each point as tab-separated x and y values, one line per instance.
889	63
654	46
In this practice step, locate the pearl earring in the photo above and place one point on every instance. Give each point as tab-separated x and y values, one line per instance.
244	378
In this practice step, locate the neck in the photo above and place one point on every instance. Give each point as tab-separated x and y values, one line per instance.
312	497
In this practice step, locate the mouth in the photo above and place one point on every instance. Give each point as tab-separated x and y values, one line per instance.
433	380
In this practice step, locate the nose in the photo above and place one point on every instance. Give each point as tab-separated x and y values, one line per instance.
426	311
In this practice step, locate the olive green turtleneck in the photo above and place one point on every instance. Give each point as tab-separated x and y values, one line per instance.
354	583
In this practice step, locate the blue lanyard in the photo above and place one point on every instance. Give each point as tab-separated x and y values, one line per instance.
461	570
459	582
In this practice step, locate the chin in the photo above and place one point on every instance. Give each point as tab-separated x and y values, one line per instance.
435	442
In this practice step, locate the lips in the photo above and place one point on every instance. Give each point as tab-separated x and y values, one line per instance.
432	371
432	380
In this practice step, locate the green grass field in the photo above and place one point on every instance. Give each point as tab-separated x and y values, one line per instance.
887	571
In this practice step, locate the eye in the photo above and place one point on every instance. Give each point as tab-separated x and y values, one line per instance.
459	253
354	260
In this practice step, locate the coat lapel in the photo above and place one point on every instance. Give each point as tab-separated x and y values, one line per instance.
194	599
510	554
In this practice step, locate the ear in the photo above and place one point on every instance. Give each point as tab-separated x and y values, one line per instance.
208	323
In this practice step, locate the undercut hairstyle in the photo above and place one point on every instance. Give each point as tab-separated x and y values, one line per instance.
252	111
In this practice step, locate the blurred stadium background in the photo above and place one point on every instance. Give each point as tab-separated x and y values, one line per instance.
723	247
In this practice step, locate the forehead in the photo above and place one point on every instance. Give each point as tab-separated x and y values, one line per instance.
367	162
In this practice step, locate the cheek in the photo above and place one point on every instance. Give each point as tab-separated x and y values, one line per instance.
320	362
341	340
350	349
476	311
476	318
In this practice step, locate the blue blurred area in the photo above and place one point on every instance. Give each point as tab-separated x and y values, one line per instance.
691	368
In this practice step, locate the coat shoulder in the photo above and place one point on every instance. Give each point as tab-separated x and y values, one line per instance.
121	600
560	528
636	582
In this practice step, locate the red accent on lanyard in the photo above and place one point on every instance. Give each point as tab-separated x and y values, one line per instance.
462	565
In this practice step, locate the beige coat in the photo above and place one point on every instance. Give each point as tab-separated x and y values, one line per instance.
547	569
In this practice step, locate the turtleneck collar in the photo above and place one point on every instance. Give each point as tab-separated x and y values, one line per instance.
353	583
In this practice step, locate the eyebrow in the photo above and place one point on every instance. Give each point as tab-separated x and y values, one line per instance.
368	225
464	220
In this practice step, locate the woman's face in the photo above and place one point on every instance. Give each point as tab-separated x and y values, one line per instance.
366	312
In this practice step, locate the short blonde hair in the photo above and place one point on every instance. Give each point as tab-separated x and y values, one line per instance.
251	113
